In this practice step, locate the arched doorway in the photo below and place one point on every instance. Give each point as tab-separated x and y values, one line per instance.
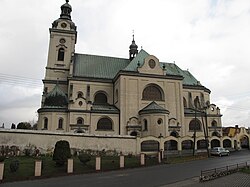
187	144
244	142
201	144
150	146
215	143
170	145
227	143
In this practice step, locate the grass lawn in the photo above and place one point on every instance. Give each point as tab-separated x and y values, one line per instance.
49	168
247	170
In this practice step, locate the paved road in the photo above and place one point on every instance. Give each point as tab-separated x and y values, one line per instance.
160	175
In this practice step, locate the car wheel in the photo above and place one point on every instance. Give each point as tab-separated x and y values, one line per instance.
220	155
227	154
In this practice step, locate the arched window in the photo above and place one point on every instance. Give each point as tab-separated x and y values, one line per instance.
184	102
152	93
174	134
214	123
195	125
60	123
134	133
100	98
215	133
80	121
104	124
45	123
60	56
197	103
79	95
145	124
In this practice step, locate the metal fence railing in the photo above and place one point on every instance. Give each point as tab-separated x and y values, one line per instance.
214	173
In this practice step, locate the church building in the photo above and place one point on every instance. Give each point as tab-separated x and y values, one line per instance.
136	96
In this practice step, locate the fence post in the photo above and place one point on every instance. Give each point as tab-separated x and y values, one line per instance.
121	161
70	165
142	159
1	170
38	168
98	163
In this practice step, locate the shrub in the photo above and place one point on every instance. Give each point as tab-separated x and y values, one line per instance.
27	152
61	152
84	158
14	165
2	158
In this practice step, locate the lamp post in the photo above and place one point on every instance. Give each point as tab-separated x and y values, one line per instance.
195	124
205	128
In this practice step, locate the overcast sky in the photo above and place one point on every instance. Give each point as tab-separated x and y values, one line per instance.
210	38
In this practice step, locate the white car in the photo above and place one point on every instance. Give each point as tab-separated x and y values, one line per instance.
220	151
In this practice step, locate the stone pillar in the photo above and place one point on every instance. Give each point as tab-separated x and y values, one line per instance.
159	157
70	165
179	146
232	143
162	154
1	170
161	143
142	159
98	163
121	161
38	168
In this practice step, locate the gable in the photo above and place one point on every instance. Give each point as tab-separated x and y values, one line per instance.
152	66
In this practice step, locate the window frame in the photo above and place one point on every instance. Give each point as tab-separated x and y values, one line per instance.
104	127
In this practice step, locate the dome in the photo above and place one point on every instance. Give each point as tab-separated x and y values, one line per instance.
133	45
56	98
66	5
66	9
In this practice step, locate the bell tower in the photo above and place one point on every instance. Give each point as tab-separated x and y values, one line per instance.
133	51
62	42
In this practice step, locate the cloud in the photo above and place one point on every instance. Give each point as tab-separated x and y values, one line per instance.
208	37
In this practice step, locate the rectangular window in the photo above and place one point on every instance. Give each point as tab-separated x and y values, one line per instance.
71	90
88	90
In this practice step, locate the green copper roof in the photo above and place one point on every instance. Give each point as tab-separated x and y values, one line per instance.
105	108
132	66
153	107
93	66
98	66
56	98
173	69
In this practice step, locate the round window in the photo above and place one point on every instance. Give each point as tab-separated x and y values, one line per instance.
62	40
151	63
159	121
63	25
80	103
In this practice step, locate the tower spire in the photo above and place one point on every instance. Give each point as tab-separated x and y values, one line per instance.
133	49
66	9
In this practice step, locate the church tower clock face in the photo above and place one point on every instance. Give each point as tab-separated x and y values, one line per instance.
151	63
63	25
